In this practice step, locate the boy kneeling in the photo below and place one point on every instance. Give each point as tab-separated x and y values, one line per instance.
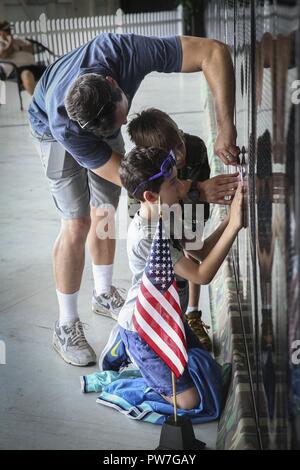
150	174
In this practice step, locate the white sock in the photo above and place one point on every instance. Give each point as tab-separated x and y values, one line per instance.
102	277
68	309
191	309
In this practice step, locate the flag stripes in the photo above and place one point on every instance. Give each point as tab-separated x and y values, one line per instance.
157	315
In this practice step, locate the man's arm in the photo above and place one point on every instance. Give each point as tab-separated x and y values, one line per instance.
213	58
110	170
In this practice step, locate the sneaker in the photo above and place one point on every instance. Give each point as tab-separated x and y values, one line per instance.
114	355
70	343
200	329
108	304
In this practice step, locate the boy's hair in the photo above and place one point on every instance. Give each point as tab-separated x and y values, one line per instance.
154	128
87	94
138	165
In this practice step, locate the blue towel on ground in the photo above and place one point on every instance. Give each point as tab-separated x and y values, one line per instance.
98	381
131	396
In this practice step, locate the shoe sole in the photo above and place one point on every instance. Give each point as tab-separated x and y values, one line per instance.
110	343
82	384
103	311
67	360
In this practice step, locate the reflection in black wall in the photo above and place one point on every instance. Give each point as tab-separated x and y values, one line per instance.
263	37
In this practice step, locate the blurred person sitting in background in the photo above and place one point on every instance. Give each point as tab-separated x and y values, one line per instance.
20	52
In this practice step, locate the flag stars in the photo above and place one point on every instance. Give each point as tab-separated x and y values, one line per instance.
159	266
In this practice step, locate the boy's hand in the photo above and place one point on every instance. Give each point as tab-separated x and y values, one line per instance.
215	189
225	146
236	210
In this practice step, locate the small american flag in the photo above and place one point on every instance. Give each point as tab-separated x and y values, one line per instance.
158	317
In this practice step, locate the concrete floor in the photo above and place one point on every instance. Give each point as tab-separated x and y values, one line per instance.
41	405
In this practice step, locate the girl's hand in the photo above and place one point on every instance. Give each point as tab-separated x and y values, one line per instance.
214	189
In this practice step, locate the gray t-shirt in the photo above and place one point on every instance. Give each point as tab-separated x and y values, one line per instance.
140	235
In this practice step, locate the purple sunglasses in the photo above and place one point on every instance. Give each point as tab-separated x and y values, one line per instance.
165	170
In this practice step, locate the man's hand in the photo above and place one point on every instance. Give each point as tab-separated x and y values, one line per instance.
215	189
225	146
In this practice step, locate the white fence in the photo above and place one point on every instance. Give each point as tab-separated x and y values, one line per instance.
63	35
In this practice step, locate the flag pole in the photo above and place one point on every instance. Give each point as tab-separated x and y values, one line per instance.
173	375
174	397
159	207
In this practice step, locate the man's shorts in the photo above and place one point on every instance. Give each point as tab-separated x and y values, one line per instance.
72	186
155	372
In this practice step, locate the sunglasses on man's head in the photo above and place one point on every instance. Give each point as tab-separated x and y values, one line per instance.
165	171
83	126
